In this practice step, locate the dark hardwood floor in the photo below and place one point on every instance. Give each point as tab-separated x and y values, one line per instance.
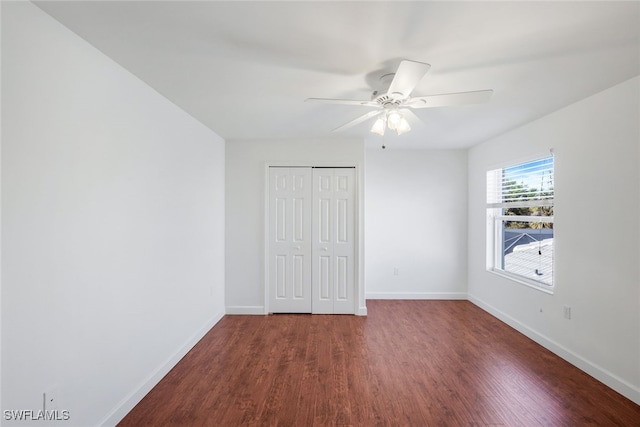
409	363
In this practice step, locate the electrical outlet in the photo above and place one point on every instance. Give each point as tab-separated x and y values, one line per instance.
50	398
396	271
567	312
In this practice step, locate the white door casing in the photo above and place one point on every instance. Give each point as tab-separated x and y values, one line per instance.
333	234
290	240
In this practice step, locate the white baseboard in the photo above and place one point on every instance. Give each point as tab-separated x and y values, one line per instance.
618	384
128	403
245	309
417	295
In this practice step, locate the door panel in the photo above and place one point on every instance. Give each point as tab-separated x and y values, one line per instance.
344	243
281	219
281	276
298	219
342	219
290	240
298	277
342	280
324	282
333	236
324	220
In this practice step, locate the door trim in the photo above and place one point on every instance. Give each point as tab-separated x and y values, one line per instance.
360	307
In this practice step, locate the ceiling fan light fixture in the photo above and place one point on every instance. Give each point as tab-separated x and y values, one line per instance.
403	126
378	126
393	119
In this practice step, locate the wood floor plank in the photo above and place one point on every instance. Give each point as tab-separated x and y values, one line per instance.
408	363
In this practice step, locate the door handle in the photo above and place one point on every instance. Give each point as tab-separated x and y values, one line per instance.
297	248
324	249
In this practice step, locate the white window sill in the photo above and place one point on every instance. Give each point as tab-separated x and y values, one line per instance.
523	281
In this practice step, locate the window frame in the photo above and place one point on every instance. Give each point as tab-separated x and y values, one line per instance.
495	217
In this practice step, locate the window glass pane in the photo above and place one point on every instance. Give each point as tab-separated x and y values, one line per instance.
525	184
527	249
528	181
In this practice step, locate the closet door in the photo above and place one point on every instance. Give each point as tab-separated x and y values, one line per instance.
333	234
290	240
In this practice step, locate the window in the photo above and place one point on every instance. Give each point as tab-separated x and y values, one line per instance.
520	222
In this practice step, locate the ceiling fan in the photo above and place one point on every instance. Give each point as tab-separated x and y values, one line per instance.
395	101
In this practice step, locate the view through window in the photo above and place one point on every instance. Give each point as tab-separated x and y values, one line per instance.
520	213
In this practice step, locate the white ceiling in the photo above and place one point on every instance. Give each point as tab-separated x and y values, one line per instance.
244	69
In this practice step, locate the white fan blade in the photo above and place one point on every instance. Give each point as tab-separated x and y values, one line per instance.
357	120
408	114
407	78
343	102
447	99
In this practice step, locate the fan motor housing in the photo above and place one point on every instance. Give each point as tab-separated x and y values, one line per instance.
381	96
385	100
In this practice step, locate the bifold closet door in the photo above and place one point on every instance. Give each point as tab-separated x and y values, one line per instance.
290	240
311	240
333	234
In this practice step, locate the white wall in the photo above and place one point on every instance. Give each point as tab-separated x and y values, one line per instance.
416	222
245	204
112	226
597	230
1	274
